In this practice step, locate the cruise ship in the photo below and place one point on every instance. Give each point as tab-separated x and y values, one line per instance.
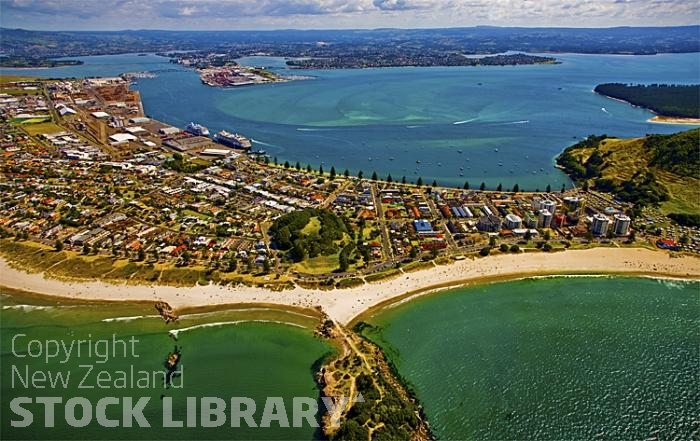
234	140
197	129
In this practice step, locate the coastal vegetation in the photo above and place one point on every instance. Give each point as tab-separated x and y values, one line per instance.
657	170
379	406
666	100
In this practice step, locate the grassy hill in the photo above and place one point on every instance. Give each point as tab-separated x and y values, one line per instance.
659	170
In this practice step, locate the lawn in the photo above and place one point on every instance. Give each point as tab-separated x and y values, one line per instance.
318	265
45	127
312	228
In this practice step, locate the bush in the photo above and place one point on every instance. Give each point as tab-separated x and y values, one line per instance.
514	249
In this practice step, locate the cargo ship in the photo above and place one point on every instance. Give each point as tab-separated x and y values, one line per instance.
197	129
233	140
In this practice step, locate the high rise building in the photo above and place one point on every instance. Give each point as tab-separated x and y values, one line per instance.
621	224
600	224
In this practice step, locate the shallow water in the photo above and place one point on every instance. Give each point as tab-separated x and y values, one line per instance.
556	358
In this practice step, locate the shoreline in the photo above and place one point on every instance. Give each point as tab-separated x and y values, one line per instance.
658	119
351	304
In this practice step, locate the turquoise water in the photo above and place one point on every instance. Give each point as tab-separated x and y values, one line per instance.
386	120
254	360
561	358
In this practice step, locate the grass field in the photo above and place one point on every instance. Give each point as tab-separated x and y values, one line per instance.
4	79
45	127
313	227
318	265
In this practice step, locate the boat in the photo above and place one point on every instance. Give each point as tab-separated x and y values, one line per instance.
197	129
233	140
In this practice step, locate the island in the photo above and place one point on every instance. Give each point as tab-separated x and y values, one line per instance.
672	103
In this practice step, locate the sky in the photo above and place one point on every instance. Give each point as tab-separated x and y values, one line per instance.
340	14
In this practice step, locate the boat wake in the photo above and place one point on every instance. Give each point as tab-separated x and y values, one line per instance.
309	129
605	110
255	141
175	332
458	123
525	121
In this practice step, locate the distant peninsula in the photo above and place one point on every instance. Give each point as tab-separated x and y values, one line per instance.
28	62
673	101
357	60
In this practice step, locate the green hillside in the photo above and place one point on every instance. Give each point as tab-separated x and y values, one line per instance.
661	170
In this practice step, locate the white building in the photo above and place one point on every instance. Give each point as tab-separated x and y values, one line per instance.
600	224
513	222
544	219
621	224
549	205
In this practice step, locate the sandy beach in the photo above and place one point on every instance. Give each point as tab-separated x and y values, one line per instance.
672	120
344	305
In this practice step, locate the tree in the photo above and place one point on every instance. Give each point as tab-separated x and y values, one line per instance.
346	173
275	160
232	264
514	249
86	249
547	235
563	188
266	266
466	185
434	183
343	262
389	179
332	173
286	164
503	248
267	160
360	175
141	255
516	188
492	241
548	189
320	169
58	245
403	179
485	251
547	247
500	187
374	176
297	166
482	187
433	253
684	240
308	168
528	235
419	182
585	185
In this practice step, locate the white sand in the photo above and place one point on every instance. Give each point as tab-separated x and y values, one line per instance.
343	305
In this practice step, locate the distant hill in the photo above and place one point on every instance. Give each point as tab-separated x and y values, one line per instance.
655	170
24	44
666	100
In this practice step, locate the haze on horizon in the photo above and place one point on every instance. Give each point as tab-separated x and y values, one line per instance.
339	14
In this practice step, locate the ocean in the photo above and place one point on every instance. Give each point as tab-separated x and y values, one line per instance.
552	358
450	124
